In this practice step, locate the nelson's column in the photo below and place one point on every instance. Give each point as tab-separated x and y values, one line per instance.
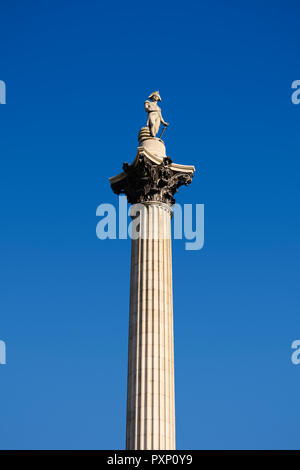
150	183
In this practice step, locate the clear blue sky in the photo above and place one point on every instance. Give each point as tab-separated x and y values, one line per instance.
77	74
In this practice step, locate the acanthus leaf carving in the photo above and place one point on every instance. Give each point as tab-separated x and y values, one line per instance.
148	181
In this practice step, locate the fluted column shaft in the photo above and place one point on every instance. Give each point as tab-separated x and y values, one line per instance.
150	387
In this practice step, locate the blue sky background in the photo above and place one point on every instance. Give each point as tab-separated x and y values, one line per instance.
77	74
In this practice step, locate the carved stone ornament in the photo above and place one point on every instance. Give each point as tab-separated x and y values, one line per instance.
151	178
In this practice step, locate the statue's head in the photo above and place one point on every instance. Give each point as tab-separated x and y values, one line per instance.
155	96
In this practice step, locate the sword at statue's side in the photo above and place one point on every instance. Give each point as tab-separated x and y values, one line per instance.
165	127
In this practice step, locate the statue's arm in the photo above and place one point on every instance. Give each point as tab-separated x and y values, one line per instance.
147	105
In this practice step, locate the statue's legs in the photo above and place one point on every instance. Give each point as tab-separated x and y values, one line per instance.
154	123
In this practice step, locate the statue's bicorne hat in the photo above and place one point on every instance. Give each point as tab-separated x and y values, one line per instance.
155	93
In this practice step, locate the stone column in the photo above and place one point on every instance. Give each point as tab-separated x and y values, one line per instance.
150	392
150	183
